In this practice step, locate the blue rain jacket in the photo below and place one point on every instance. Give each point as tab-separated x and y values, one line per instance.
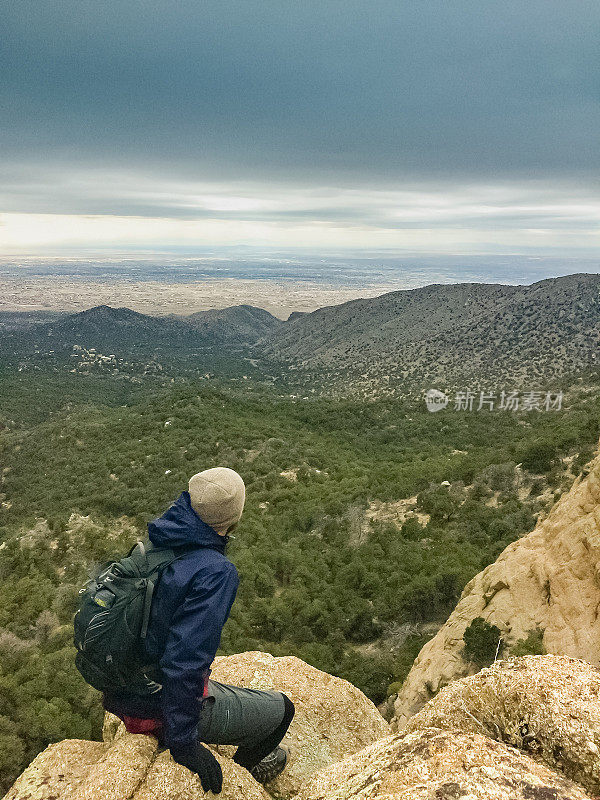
190	606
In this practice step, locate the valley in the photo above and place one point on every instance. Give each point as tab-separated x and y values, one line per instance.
366	514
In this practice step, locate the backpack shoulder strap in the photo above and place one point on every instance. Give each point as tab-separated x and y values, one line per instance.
148	558
151	561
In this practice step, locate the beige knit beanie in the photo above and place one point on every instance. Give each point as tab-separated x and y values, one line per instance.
217	496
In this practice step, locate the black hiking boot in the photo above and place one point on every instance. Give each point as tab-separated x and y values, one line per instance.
270	767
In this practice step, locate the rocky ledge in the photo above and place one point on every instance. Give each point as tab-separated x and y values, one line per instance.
524	729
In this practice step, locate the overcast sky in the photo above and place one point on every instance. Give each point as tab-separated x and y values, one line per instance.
422	126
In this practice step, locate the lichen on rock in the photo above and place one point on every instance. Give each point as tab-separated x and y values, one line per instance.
333	718
547	706
432	764
60	767
79	770
527	728
118	773
130	767
166	780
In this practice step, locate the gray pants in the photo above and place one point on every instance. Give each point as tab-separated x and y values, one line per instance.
234	715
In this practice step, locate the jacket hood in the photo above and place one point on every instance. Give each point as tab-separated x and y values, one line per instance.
180	525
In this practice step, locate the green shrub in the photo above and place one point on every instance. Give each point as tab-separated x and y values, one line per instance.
538	456
483	642
532	645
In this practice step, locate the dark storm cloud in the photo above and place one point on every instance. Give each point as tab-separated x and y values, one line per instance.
335	89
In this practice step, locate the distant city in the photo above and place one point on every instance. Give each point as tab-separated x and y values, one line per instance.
277	281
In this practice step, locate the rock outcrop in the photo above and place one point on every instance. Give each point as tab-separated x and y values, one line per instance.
128	768
546	706
59	768
547	580
437	765
333	718
531	710
524	729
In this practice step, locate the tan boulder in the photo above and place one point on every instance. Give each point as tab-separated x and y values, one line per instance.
432	764
333	718
547	706
128	768
112	728
166	780
119	772
547	580
57	768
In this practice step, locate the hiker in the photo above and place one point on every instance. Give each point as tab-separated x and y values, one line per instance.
190	605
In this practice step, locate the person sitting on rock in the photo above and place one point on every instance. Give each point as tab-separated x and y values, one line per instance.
191	604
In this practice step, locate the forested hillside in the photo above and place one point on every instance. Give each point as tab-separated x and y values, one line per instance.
363	521
447	336
464	335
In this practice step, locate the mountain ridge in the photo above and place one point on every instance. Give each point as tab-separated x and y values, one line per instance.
128	333
449	334
527	336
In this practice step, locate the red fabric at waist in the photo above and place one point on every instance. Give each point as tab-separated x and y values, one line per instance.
151	726
138	725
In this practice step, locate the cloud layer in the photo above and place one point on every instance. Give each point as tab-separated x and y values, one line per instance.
375	124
